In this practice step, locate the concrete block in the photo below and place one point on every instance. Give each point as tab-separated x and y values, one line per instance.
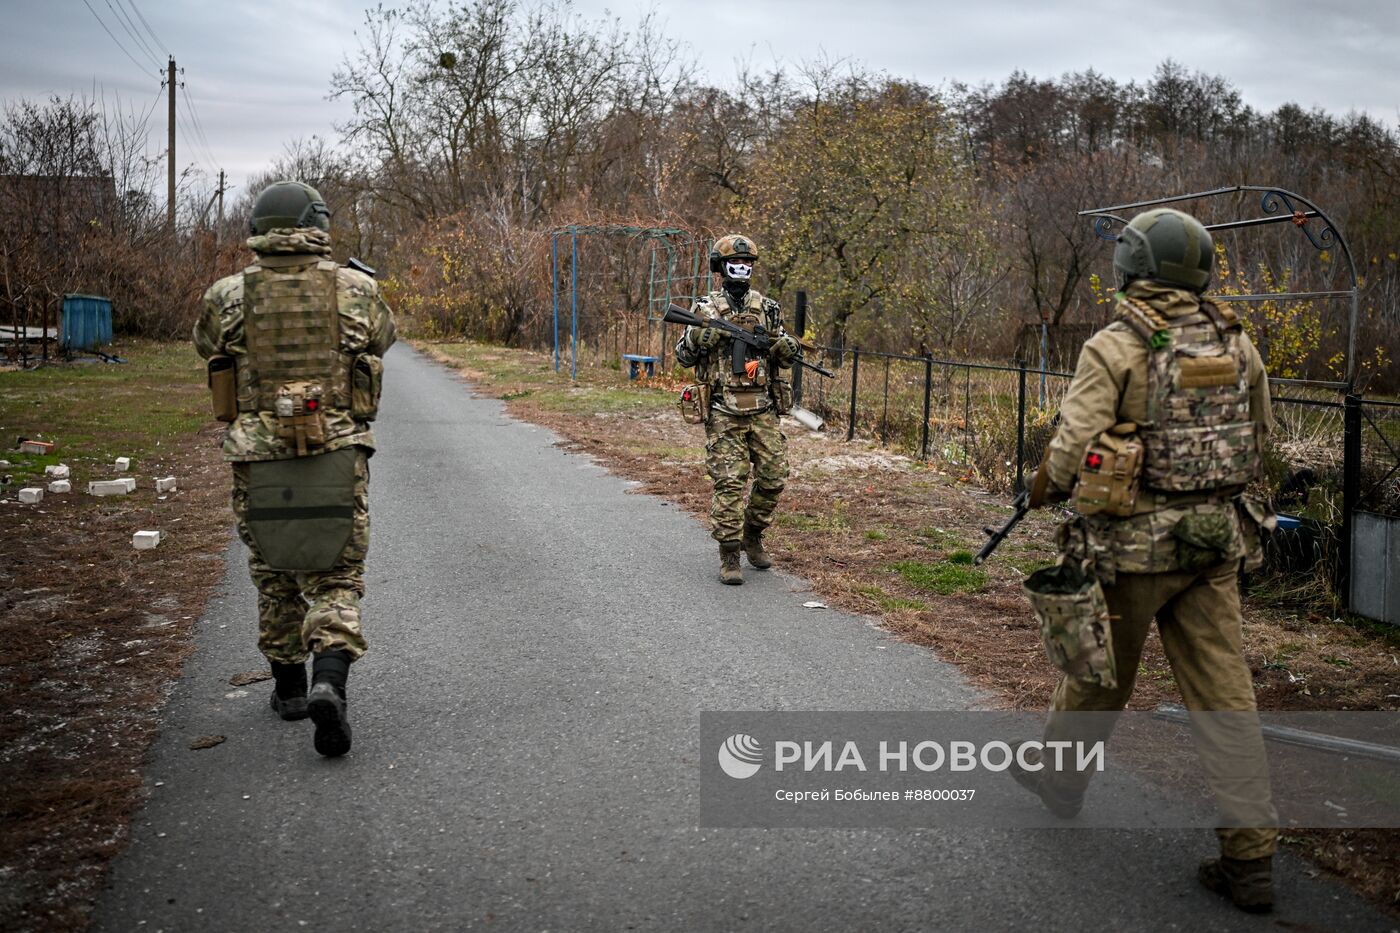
123	464
109	487
165	484
130	482
31	494
59	471
60	485
145	540
26	446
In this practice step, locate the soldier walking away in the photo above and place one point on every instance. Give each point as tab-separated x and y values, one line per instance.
1159	436
741	393
294	345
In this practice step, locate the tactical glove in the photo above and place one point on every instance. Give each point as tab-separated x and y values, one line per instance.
785	349
703	338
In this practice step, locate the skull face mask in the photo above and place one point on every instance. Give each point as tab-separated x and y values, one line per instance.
738	271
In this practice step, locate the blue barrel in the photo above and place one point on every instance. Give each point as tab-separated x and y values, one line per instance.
87	322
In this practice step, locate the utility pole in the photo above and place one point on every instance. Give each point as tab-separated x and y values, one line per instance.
219	229
170	151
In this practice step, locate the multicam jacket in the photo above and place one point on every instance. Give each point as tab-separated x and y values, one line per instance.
366	326
1111	386
733	393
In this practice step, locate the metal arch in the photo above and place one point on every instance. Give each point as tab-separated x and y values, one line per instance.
1278	205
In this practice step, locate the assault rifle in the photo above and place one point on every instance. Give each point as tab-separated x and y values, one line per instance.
1022	505
747	344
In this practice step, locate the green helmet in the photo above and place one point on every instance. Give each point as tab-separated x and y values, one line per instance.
1167	246
289	204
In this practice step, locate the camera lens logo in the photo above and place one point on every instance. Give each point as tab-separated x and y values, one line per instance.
740	756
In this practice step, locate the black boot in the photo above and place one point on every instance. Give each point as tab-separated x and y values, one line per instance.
289	690
1248	883
326	702
1064	804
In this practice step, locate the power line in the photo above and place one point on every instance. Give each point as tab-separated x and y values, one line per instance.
199	135
149	31
129	28
113	37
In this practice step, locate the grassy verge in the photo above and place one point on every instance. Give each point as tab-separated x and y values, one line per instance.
881	534
94	630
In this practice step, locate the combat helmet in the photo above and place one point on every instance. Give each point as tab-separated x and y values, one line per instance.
729	248
289	204
1167	246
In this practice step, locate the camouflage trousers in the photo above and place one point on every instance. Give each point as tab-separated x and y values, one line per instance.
299	613
1198	617
735	447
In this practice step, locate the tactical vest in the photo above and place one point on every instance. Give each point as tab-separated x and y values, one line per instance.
291	330
1198	435
740	391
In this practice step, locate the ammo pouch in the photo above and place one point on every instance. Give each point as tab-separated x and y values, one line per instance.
366	382
1203	539
1109	473
301	512
695	404
781	391
746	399
1074	622
223	384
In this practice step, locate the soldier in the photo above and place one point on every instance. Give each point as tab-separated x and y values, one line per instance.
294	344
1159	435
746	394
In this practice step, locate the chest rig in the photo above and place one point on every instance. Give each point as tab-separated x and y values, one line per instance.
1198	435
735	371
294	367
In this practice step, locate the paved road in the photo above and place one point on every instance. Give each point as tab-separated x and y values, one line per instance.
526	735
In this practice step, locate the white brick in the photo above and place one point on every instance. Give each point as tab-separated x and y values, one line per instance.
57	472
165	484
31	494
145	540
109	487
130	482
60	485
123	464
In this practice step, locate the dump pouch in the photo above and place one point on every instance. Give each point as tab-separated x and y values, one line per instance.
1203	539
301	512
1256	518
1074	622
1109	473
695	404
223	385
366	382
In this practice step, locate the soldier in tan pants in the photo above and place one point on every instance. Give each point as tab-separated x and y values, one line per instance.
1176	373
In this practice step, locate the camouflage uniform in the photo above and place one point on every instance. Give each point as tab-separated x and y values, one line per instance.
743	435
320	610
1138	558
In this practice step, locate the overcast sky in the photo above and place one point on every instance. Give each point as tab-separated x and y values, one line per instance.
257	71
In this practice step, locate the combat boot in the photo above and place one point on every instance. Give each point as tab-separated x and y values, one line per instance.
326	702
1249	883
289	690
729	571
753	548
1066	805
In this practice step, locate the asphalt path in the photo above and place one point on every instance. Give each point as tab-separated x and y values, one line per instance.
526	737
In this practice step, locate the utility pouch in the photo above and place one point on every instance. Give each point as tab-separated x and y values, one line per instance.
301	512
1109	473
301	419
223	385
746	399
695	404
366	382
1256	518
1203	539
1074	622
781	390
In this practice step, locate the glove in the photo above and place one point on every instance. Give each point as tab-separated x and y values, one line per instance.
703	338
785	349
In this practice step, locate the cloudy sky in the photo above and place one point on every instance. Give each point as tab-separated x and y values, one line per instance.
257	71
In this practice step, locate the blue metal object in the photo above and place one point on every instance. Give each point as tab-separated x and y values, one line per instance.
637	360
573	288
87	322
554	266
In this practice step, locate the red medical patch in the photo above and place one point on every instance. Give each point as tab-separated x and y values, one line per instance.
1093	461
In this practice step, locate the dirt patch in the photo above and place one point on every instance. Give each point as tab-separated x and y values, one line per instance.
885	536
94	631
